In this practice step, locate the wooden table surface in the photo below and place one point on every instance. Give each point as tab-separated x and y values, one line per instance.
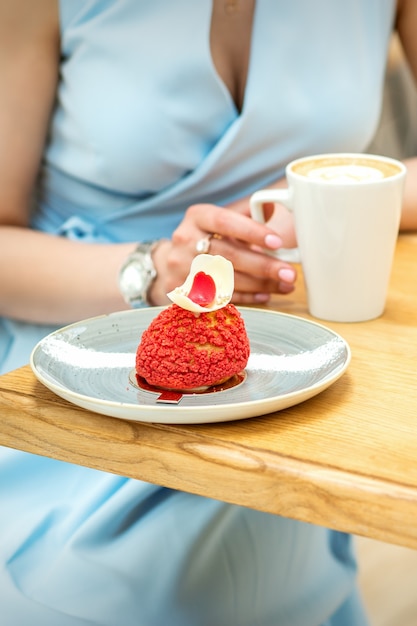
346	459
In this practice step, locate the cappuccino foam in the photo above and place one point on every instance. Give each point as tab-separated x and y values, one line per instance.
345	170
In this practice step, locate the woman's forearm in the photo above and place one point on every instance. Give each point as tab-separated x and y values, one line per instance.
48	279
409	214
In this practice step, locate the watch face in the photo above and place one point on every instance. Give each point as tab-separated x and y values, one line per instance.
137	275
132	281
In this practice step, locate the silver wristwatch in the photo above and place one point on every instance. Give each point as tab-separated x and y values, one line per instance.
137	275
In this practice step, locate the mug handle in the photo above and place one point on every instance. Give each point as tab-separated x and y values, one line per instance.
284	196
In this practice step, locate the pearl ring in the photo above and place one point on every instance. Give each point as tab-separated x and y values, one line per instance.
203	245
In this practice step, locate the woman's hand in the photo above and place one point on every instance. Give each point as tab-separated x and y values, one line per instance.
239	239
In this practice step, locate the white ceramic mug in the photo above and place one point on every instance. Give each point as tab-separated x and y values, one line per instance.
347	210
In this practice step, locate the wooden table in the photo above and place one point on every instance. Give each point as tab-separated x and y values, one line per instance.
346	459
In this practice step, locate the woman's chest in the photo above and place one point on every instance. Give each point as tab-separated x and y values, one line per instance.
142	95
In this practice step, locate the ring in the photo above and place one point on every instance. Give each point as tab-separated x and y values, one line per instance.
203	245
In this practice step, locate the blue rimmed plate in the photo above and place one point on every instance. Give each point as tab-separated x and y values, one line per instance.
90	364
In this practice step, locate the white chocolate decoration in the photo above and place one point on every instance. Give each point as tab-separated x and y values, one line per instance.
209	285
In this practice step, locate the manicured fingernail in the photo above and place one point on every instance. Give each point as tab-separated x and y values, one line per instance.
287	274
261	297
273	241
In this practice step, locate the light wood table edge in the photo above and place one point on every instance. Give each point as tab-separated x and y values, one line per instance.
322	495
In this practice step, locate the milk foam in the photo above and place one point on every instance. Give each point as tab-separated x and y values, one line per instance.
345	174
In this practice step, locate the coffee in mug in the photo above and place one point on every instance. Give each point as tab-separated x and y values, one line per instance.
338	170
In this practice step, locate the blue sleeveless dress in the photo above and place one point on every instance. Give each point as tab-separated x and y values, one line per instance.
143	128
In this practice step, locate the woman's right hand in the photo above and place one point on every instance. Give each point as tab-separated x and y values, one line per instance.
239	239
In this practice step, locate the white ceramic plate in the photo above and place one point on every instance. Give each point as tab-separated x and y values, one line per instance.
89	364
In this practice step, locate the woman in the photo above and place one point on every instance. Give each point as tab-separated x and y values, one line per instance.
140	121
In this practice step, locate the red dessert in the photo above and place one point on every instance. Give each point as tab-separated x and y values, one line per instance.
184	350
200	340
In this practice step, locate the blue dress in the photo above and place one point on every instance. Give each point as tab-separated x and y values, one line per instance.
143	128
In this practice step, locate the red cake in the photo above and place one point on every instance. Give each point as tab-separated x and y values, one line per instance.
200	342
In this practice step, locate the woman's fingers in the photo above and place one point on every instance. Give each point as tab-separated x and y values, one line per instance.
204	219
255	264
237	238
249	288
